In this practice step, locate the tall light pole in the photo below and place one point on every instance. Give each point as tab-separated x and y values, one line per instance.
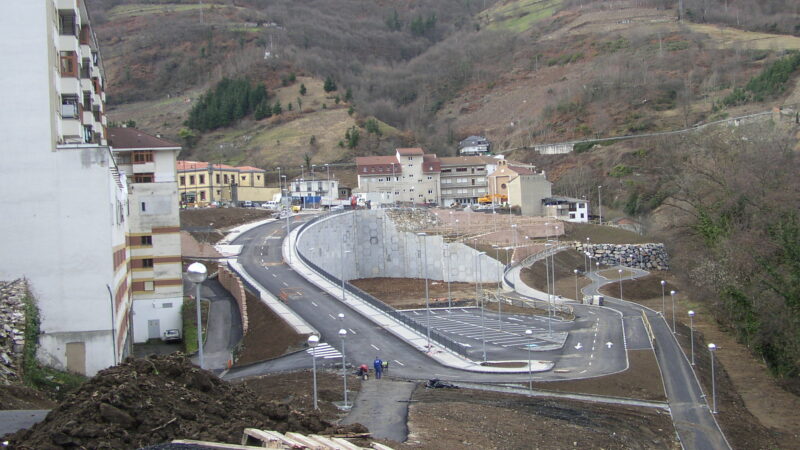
328	190
478	298
529	333
427	297
672	294
691	332
446	250
288	223
576	285
280	184
663	283
313	340
197	273
514	231
711	349
343	251
343	334
619	271
600	205
499	287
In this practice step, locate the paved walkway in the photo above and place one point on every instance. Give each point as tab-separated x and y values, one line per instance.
382	406
15	420
224	329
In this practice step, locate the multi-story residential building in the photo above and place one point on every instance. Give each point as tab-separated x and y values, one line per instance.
154	240
463	179
66	233
314	189
201	183
409	177
568	209
474	145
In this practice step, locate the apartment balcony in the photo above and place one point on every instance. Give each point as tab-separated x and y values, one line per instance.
68	43
148	167
67	4
70	86
71	131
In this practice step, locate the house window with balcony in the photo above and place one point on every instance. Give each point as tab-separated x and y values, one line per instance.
67	23
69	106
68	64
143	178
86	68
142	157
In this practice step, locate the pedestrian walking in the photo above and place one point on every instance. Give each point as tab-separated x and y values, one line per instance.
385	365
378	364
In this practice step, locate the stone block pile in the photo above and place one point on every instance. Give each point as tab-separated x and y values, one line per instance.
412	220
12	328
641	256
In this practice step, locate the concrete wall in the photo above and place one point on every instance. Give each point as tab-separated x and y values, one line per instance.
375	248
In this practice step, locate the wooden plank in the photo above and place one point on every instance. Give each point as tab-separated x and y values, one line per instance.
347	445
219	445
305	440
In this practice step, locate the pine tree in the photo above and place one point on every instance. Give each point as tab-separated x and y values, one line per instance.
329	85
303	89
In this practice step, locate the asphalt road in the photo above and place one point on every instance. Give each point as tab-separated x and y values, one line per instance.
587	351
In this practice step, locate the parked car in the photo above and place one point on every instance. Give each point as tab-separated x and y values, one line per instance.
173	335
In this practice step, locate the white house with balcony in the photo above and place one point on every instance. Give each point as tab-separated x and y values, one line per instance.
567	209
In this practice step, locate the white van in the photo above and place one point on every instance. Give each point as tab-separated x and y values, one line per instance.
270	205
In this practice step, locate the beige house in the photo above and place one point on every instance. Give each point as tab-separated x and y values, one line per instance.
522	185
202	183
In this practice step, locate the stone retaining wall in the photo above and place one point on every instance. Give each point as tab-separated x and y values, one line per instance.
12	328
231	282
642	256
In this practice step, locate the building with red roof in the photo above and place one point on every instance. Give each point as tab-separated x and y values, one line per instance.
410	177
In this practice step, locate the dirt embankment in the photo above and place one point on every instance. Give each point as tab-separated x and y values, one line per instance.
143	402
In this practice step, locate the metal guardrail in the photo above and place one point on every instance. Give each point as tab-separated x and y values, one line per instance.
437	337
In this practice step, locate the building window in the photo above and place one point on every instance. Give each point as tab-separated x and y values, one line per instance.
461	169
244	177
67	25
183	180
201	179
430	191
149	286
144	206
191	179
219	192
226	179
142	157
143	178
258	177
87	100
86	67
430	178
147	263
69	106
217	177
69	64
202	196
146	240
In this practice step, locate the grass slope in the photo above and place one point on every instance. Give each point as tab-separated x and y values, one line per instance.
521	15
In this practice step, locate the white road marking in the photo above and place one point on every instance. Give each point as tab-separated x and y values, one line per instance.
376	348
275	276
579	346
582	371
514	318
609	344
284	283
351	330
398	362
331	316
314	303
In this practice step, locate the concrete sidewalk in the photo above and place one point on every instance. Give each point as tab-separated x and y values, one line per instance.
382	406
441	354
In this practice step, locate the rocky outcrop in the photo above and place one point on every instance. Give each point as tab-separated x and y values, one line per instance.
641	256
12	328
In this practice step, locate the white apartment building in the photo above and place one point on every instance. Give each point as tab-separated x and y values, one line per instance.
410	177
154	240
313	190
64	202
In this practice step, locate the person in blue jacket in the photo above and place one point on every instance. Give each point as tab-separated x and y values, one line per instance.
378	364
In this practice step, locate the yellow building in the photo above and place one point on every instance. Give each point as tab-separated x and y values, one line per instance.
201	184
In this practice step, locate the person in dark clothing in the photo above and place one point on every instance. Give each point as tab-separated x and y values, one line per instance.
378	364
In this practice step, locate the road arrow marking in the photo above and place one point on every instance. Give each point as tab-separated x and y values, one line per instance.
609	344
579	346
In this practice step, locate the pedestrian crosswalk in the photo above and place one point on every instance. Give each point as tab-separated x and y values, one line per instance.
325	351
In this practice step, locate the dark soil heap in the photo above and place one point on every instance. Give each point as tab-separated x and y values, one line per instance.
143	402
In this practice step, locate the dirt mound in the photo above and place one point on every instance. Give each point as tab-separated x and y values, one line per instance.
143	402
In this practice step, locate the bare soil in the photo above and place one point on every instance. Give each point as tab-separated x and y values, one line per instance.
149	401
16	396
459	418
268	336
207	224
410	292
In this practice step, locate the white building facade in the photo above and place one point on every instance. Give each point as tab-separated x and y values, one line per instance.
154	239
567	209
64	201
410	177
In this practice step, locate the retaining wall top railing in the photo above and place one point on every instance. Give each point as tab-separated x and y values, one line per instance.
437	337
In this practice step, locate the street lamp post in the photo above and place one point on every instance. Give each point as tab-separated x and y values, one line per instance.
691	332
499	278
514	230
711	349
427	296
446	250
672	294
663	283
619	271
576	285
343	334
478	298
343	251
313	340
529	333
600	205
197	273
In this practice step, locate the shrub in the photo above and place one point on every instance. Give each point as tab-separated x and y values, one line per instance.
620	170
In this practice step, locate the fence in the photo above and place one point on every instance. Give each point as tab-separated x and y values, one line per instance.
437	337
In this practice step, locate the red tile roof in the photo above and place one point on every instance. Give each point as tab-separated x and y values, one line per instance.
131	138
201	165
431	164
378	165
250	169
